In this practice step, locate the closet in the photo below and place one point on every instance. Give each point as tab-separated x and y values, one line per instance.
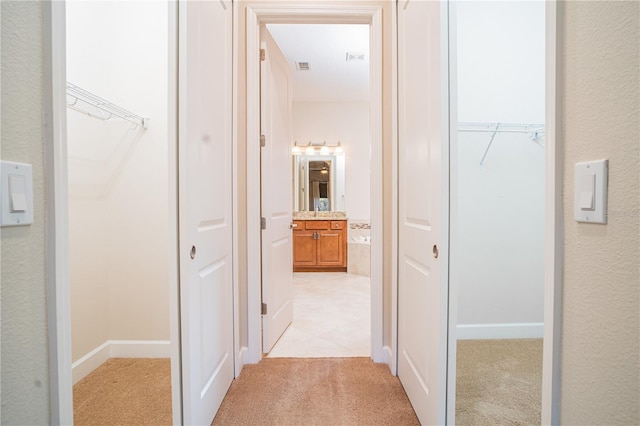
497	210
117	139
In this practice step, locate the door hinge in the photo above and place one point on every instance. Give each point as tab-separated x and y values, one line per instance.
264	309
263	223
263	140
263	54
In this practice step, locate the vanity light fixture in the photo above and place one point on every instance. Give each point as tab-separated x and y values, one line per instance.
310	149
296	148
325	149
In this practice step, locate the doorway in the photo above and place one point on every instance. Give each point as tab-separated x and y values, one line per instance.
498	163
328	125
291	15
118	171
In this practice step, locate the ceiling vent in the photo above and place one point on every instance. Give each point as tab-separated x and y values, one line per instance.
303	66
355	56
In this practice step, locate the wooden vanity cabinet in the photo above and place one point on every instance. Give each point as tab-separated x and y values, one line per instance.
320	245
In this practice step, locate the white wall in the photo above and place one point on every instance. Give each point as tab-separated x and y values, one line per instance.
118	175
500	62
498	208
347	122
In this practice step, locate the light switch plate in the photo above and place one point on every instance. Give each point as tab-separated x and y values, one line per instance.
590	182
16	194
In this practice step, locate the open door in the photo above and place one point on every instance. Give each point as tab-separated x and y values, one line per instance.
205	200
423	207
277	191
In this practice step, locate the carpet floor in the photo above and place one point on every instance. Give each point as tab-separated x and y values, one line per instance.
499	382
125	391
316	391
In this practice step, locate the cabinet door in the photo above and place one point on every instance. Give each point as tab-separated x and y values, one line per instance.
331	248
304	248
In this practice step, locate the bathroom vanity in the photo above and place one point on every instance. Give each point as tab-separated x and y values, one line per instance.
320	242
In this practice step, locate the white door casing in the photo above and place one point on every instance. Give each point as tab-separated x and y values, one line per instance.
276	188
205	199
423	207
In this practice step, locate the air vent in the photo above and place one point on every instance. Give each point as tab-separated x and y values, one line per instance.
303	66
355	56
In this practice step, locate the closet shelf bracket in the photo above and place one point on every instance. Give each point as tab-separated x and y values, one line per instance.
83	101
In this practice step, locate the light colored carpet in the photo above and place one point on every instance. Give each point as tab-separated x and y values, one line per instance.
499	382
125	391
316	391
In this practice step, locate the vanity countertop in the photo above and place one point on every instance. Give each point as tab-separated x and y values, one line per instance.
319	216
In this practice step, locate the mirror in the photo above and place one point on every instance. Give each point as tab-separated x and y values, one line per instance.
318	182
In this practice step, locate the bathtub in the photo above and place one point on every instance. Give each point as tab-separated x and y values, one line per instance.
359	256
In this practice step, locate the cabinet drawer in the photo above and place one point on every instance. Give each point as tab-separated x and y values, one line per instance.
318	224
299	225
337	224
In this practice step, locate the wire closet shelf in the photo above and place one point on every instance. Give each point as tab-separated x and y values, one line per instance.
83	101
535	131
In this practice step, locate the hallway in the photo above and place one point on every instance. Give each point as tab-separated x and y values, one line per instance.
316	391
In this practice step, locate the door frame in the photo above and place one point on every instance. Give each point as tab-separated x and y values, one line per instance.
57	213
328	14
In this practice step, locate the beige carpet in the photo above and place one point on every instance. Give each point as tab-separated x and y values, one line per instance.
499	382
125	391
316	391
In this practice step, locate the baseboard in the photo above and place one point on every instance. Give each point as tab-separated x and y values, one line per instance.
240	360
529	330
388	358
140	348
94	359
119	349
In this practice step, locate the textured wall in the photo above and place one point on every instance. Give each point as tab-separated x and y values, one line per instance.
24	375
600	374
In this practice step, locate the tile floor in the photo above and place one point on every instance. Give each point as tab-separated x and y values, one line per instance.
331	317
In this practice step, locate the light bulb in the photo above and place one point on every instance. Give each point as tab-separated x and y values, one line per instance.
310	150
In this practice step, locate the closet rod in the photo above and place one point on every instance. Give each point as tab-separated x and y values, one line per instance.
101	108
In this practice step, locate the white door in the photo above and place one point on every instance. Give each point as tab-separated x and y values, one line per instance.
422	263
277	191
205	212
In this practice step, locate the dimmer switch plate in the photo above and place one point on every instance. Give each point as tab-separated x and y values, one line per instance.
591	191
16	194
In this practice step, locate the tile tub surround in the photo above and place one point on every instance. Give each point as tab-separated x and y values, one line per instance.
331	317
359	247
359	261
319	215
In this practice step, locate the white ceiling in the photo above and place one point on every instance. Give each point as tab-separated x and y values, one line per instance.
331	78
